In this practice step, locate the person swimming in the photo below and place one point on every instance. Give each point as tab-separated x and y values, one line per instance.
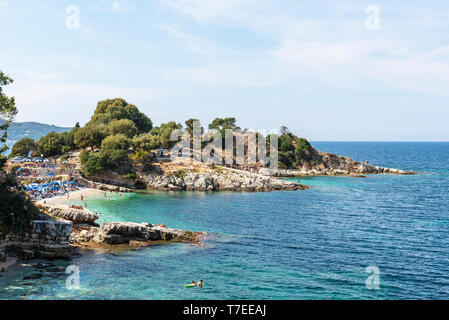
200	284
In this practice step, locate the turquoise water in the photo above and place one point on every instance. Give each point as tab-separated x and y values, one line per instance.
313	244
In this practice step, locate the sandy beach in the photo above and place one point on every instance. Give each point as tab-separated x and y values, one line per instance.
75	195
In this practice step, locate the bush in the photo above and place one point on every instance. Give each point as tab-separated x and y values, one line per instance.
51	144
146	142
114	143
93	164
303	150
89	136
118	109
23	147
16	210
124	126
130	175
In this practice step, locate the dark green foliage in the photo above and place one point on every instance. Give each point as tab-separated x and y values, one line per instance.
51	144
189	126
16	210
146	142
118	109
7	111
221	124
130	175
124	126
117	142
285	143
293	151
164	132
89	136
92	163
23	147
303	150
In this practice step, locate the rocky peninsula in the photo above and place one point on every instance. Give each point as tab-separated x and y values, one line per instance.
329	164
60	230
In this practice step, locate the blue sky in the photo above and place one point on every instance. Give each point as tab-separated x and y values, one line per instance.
316	68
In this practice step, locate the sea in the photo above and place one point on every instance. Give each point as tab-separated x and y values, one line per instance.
378	237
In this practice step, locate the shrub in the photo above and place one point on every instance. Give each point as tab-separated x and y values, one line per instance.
16	210
93	164
23	147
51	144
124	126
130	175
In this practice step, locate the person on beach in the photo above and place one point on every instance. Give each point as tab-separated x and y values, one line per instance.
82	198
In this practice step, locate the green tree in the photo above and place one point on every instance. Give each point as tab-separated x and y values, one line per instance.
164	131
92	163
189	126
117	142
7	112
89	136
23	147
51	144
303	150
222	124
146	142
115	148
124	126
16	210
118	109
286	143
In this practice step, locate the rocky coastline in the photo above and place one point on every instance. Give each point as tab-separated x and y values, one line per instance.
329	164
218	179
59	231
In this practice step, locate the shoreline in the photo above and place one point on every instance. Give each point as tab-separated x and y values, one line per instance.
61	200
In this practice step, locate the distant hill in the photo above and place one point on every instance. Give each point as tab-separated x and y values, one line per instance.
33	130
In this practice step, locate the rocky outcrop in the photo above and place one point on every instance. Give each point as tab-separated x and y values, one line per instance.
219	179
128	232
76	216
109	181
322	163
87	233
43	239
